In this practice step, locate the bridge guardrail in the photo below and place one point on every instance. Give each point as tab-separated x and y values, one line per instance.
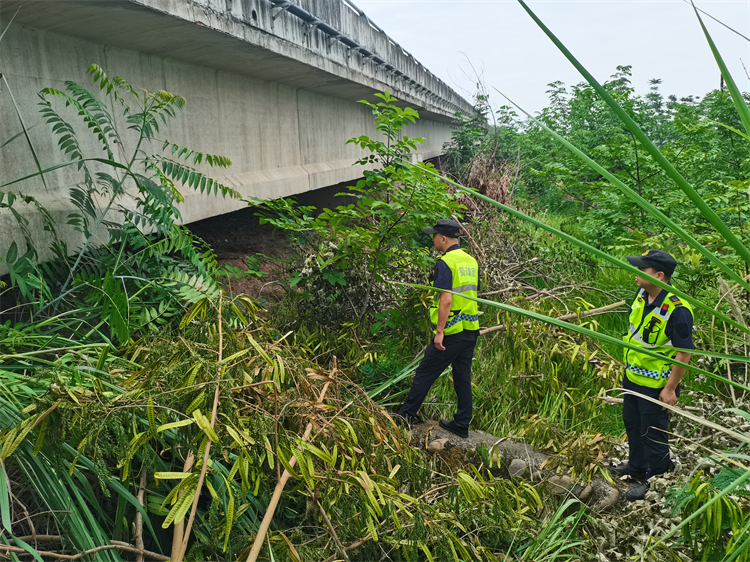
313	22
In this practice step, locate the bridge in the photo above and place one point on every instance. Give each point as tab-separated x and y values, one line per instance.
271	84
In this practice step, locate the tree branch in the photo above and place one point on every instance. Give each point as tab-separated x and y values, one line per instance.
139	515
565	317
58	556
271	509
204	468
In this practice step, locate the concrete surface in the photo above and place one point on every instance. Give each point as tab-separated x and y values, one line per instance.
276	96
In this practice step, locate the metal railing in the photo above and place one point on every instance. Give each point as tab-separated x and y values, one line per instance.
312	22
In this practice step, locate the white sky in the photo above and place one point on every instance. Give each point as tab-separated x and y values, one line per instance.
659	38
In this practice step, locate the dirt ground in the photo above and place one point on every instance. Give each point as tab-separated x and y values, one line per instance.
234	237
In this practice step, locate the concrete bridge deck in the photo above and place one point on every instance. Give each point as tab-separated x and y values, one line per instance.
272	84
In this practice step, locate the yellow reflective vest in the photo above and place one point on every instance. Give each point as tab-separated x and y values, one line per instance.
464	313
649	333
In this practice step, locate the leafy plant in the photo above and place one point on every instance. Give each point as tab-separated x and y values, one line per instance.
362	245
711	530
137	279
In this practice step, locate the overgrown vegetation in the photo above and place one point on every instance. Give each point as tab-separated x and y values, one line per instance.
148	413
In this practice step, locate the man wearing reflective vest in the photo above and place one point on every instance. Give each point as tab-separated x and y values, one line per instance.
455	322
659	322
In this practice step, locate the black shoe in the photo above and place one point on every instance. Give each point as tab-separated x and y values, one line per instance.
406	421
627	470
453	428
637	493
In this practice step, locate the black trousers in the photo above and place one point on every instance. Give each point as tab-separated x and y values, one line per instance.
646	424
458	354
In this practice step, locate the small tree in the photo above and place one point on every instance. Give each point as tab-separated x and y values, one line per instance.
376	238
146	277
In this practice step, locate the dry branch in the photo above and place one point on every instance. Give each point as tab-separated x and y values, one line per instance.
331	530
139	516
204	468
618	402
46	554
351	547
565	317
271	510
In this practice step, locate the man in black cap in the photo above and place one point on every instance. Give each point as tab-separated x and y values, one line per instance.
455	321
659	322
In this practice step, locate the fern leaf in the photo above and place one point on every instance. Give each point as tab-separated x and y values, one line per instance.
188	175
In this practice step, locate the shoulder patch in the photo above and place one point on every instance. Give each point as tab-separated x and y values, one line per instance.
675	300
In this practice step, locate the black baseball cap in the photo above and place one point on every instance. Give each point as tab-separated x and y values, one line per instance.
446	227
656	259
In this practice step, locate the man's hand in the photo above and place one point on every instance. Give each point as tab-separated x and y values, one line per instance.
438	341
444	310
668	396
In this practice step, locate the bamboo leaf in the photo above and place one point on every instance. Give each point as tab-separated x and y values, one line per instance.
293	554
172	475
25	130
685	522
229	514
740	133
269	452
205	426
180	509
287	466
600	336
119	489
10	22
737	99
173	425
28	548
5	501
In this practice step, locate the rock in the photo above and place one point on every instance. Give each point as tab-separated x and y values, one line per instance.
506	449
437	445
560	485
517	467
586	493
608	501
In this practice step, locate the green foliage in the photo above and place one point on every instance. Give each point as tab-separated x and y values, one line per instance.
469	137
708	224
557	539
363	245
149	411
137	279
689	133
715	529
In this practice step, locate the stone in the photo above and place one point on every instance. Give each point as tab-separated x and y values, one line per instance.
560	485
586	493
607	502
517	467
437	445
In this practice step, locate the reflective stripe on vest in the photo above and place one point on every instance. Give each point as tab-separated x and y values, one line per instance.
649	332
464	314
